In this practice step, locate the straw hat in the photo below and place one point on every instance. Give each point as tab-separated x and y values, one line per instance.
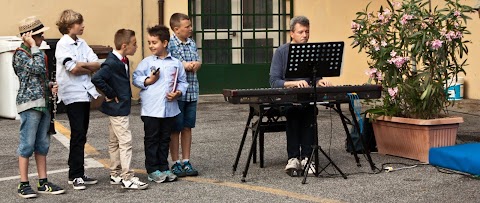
33	24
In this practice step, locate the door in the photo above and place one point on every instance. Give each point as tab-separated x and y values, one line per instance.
236	40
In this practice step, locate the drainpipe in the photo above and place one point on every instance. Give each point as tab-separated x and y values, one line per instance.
142	32
161	11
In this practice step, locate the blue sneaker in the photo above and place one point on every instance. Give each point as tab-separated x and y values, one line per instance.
189	170
178	170
157	176
170	176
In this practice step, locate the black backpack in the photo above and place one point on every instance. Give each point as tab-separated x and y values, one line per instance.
367	136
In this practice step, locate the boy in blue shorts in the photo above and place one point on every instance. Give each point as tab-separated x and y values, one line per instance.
181	46
162	80
30	65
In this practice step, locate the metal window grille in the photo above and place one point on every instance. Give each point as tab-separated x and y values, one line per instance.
239	31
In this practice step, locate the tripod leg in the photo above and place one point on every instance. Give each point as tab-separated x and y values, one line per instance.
331	161
239	152
308	165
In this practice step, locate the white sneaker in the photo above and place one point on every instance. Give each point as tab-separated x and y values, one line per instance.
134	183
115	180
311	170
293	167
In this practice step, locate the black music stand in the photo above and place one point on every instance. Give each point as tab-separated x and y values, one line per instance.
312	60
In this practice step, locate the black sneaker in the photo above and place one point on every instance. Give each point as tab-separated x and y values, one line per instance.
177	169
26	191
50	188
189	170
78	184
86	180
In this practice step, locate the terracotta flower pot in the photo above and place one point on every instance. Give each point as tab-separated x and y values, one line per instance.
412	138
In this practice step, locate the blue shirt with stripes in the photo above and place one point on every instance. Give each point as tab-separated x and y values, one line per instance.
186	52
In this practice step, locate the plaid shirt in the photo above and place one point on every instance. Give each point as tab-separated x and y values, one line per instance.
186	52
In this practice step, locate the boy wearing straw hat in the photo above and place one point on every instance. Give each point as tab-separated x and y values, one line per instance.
30	65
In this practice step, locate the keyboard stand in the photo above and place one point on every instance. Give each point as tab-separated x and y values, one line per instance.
269	120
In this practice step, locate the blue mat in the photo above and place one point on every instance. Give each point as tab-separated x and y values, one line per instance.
464	157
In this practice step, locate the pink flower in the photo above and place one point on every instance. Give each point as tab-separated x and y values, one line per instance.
393	92
398	61
424	25
393	53
436	44
379	75
406	18
397	4
457	13
458	35
380	16
451	35
384	44
371	72
387	12
355	26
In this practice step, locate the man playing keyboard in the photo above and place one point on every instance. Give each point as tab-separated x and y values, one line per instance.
300	122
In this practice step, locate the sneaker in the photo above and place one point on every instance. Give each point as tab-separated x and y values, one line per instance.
170	176
293	167
311	169
26	191
78	184
134	183
50	188
86	180
115	180
189	170
157	177
178	170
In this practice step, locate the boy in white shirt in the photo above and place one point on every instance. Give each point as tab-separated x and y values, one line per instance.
75	64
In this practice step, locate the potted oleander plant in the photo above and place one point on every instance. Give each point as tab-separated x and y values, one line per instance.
413	51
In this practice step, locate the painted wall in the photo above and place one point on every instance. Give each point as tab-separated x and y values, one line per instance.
330	21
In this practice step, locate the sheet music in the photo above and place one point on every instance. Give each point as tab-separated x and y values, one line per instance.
175	78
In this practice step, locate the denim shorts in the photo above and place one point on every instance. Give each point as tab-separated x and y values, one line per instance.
187	116
34	136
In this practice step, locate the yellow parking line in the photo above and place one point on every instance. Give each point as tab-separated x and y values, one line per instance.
89	150
105	162
261	189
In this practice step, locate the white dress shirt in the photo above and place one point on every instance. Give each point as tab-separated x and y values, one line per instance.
120	57
74	88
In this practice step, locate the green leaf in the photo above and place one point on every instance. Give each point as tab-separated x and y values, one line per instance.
426	92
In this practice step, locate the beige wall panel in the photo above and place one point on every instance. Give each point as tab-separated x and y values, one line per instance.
102	19
330	21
